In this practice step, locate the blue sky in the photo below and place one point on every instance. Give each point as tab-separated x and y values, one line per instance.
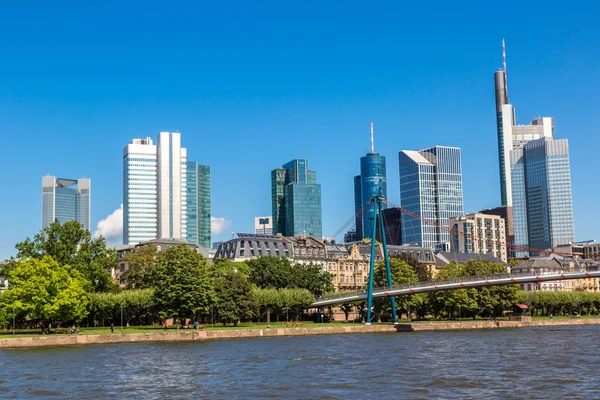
252	85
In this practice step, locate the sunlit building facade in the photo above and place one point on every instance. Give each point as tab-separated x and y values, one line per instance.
372	181
296	200
198	204
542	196
66	200
431	189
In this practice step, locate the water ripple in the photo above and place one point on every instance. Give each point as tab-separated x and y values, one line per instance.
506	364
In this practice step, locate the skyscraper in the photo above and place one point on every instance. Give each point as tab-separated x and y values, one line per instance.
198	204
296	200
430	188
542	198
66	200
372	181
510	135
172	187
155	189
140	202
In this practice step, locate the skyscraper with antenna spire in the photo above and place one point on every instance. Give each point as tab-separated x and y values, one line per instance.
371	181
535	176
510	135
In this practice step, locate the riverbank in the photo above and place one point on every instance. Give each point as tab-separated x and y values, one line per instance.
487	324
183	335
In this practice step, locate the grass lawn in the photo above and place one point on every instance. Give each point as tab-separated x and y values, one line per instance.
6	334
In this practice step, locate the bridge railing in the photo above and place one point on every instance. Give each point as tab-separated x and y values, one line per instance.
436	282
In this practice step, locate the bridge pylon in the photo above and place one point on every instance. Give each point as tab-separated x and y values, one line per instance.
376	202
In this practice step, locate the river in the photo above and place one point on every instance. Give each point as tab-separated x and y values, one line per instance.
561	362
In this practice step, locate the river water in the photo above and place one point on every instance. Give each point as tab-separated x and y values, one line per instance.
561	362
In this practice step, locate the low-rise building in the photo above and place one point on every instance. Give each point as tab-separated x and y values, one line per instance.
479	233
443	258
248	246
556	264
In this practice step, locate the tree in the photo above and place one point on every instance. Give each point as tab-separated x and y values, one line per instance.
182	283
224	267
270	272
47	292
401	273
312	277
71	244
141	262
138	307
423	273
235	300
487	301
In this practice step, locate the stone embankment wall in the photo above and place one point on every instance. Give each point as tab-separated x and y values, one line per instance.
433	326
184	335
181	336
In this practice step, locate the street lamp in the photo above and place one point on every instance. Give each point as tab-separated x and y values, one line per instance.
14	320
121	330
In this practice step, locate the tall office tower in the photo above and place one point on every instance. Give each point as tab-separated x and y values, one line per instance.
296	200
263	225
154	189
172	186
140	203
65	200
372	181
198	204
510	135
542	197
431	188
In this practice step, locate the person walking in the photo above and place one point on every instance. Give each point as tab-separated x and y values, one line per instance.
112	327
166	325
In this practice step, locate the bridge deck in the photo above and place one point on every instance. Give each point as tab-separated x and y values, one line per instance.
464	283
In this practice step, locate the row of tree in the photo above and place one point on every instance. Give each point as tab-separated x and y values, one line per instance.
62	276
468	303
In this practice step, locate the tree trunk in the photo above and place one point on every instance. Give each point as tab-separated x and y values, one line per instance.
268	316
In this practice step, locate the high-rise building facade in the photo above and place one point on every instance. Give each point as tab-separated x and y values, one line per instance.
66	200
172	187
140	202
542	196
372	181
296	200
155	189
198	204
479	234
431	189
510	135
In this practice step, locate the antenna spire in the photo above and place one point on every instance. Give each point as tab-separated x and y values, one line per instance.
372	140
504	69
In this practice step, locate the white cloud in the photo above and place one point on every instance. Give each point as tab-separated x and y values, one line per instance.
111	227
218	225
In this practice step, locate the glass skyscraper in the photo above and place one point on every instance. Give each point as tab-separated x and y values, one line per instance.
296	200
430	188
372	181
542	197
66	200
198	204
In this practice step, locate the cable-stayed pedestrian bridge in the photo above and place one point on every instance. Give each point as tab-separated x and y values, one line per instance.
459	283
